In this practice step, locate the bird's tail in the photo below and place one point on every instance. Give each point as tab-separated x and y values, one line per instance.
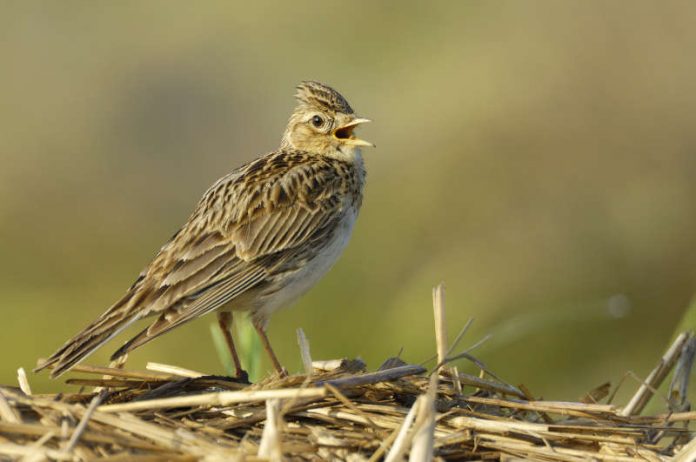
109	324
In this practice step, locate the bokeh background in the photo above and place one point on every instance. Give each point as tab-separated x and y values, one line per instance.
538	157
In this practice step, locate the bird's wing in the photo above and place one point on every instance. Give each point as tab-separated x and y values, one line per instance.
273	215
266	210
197	304
246	225
287	212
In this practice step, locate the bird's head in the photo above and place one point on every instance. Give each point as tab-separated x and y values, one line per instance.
323	122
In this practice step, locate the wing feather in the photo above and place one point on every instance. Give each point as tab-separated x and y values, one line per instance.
259	240
247	224
196	305
315	201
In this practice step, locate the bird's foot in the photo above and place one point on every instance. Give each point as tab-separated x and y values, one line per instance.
241	376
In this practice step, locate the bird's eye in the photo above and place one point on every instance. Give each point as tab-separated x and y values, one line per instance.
317	121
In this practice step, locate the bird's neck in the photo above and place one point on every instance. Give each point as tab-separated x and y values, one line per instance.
351	154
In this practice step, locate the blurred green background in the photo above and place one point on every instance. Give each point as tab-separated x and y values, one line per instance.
538	157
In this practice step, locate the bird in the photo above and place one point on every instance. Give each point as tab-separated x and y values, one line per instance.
258	239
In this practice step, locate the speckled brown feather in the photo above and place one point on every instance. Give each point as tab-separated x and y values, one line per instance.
317	94
250	230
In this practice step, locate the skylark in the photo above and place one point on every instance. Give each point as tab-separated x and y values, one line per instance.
259	238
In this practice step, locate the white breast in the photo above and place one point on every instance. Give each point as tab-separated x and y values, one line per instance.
306	277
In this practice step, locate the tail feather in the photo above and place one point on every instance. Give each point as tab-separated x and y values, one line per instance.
108	325
164	323
140	339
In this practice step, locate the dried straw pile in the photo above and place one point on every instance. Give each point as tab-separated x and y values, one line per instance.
340	412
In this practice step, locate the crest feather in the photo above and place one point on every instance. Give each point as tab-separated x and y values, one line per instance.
316	94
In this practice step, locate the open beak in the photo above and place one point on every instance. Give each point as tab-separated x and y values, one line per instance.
345	133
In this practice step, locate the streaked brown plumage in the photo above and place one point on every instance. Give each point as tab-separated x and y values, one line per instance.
258	239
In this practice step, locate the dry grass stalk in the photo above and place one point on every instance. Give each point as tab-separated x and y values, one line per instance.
656	377
83	422
687	453
441	340
403	437
678	388
7	412
216	399
173	370
23	382
360	418
337	411
558	407
387	442
270	445
304	351
490	385
440	323
327	365
375	377
124	373
424	427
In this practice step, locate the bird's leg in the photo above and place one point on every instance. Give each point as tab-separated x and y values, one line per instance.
267	346
225	323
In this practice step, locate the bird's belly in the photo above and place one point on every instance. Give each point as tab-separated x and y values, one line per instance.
304	278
